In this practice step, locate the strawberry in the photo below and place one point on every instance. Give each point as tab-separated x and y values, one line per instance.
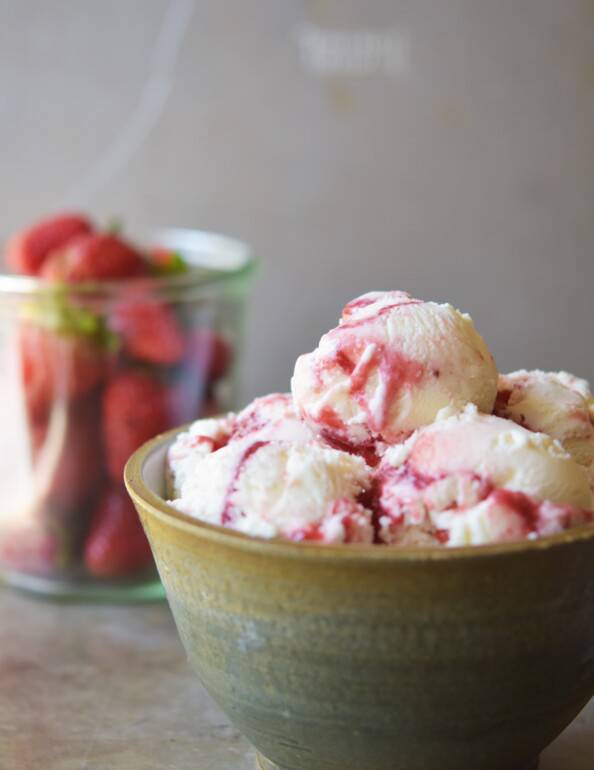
116	544
57	366
149	331
208	354
28	250
94	257
167	262
74	457
135	408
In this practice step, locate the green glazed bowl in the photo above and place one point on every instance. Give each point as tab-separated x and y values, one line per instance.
370	658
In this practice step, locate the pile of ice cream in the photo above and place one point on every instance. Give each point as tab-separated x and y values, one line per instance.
399	431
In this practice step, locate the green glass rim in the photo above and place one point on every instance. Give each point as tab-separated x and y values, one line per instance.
143	496
214	260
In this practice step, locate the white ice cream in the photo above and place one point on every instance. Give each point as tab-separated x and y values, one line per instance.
556	403
394	408
270	418
191	446
472	478
389	367
281	489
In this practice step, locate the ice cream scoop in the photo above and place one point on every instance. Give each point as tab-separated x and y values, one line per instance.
269	418
192	445
556	403
472	478
389	367
281	489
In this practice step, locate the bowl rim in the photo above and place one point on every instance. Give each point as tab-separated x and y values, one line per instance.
358	552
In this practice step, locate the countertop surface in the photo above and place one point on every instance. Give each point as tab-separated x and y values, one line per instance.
108	688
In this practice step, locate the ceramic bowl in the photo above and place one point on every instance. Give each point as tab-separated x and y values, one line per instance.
371	658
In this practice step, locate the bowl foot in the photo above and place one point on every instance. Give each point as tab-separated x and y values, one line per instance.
265	764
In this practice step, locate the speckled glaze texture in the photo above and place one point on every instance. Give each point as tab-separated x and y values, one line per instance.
366	658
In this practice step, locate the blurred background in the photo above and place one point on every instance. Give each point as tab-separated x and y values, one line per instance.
446	148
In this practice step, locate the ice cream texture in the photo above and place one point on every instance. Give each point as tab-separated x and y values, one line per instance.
472	478
556	403
389	438
269	418
389	367
281	489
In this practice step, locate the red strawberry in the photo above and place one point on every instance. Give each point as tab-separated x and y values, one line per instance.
161	256
134	410
149	330
56	366
167	261
27	251
209	354
116	544
94	257
74	458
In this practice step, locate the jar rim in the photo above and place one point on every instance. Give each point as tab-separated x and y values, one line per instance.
213	259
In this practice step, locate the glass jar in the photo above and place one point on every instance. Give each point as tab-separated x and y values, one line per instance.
83	383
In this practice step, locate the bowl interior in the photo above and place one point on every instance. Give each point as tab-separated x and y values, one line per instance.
153	469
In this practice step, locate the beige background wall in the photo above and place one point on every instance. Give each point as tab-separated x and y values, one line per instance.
443	147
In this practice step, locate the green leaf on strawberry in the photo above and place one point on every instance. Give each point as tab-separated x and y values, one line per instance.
167	262
54	312
115	226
